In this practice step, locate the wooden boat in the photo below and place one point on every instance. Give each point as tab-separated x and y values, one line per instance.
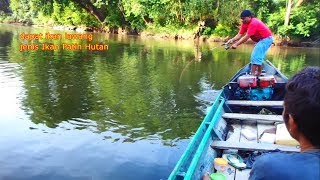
234	110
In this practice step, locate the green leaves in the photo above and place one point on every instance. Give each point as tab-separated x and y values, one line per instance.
303	22
171	15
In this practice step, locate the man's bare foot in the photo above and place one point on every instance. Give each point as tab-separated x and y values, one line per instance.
206	176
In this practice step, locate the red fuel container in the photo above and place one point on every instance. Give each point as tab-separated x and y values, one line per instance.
245	81
266	81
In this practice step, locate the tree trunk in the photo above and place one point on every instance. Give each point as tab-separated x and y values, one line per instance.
299	3
200	30
124	22
90	8
147	19
287	17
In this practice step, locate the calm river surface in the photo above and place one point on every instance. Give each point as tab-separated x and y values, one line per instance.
124	113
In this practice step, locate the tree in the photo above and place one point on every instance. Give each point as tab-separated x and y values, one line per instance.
90	8
288	12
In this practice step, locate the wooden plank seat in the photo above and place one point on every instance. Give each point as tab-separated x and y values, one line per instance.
244	174
254	103
253	117
252	146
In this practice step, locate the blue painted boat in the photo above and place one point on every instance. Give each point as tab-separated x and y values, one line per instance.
236	105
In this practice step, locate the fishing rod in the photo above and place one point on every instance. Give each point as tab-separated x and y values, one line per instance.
226	47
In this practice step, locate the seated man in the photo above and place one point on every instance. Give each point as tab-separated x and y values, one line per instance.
302	118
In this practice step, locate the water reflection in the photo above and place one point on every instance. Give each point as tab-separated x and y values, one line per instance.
146	86
128	87
291	60
141	95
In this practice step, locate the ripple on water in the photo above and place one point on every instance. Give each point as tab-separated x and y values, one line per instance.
9	76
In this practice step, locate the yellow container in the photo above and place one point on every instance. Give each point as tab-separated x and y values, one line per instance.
220	164
283	137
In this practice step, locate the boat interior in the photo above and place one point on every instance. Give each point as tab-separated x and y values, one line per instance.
247	134
243	122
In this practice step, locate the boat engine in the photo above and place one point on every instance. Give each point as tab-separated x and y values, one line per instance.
253	88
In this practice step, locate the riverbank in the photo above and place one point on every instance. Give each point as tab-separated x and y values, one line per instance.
278	40
178	35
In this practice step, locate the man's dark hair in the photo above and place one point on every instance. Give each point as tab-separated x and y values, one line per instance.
302	102
246	13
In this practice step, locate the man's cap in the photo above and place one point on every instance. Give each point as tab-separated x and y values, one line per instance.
246	13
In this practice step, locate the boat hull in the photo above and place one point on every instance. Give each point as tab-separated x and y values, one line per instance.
198	157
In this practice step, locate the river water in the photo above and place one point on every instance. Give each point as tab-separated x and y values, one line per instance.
125	112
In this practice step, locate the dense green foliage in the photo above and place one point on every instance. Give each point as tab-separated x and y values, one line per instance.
304	21
221	17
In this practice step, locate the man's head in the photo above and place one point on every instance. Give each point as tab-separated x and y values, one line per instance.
246	16
302	105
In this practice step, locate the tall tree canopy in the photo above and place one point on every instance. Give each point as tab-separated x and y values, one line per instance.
292	18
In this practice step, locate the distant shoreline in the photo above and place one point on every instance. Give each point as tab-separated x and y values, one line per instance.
145	34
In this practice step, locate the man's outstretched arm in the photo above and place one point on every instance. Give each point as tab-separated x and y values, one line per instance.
242	40
238	36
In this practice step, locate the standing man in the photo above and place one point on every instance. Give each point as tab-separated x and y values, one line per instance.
255	29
